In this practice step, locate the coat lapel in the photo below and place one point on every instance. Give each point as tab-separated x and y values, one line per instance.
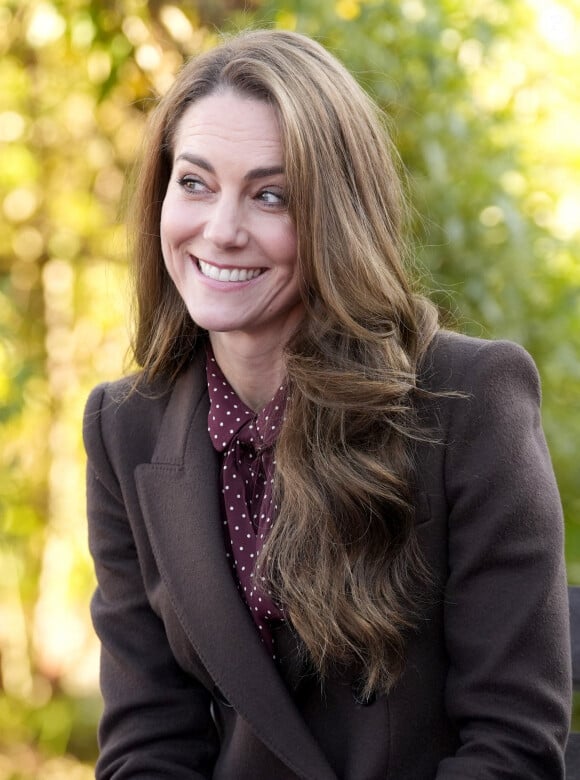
180	503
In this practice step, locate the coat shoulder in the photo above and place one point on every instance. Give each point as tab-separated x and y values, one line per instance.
122	419
455	362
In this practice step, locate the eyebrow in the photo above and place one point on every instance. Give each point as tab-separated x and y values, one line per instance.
255	173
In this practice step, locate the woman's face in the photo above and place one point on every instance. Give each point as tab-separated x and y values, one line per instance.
228	241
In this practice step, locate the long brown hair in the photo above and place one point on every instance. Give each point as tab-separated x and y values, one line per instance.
341	557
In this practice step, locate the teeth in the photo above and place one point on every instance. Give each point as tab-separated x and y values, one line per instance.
228	274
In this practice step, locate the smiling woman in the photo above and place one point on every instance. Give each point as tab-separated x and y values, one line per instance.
228	240
325	531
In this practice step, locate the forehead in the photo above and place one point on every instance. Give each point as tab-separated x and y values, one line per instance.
231	123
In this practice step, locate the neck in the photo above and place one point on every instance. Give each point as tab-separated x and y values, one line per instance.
254	373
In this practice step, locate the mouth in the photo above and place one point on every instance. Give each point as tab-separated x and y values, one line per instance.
228	274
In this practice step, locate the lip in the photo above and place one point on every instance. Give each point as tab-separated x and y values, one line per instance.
225	274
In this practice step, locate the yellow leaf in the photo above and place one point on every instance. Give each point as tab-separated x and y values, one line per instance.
347	9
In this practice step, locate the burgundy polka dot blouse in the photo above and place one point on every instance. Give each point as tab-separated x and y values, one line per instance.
246	441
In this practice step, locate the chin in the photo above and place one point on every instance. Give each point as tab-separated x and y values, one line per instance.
215	325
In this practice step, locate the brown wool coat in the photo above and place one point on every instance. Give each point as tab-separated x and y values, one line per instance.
191	693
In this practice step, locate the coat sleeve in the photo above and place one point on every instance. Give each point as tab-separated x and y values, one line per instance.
156	722
506	612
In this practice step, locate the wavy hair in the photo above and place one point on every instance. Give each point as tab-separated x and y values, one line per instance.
341	558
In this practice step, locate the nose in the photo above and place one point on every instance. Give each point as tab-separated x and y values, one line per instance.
224	225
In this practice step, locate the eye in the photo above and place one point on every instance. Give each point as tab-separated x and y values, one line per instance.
272	197
192	184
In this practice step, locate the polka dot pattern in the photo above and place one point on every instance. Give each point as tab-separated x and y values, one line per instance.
245	439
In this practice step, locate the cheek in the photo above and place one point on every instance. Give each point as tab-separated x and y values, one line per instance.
170	239
286	245
293	256
169	218
176	221
165	228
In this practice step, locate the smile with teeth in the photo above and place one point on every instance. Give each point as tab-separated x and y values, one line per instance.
228	274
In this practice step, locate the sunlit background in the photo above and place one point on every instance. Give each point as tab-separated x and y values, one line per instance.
483	99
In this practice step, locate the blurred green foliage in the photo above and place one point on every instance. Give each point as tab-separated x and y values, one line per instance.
482	103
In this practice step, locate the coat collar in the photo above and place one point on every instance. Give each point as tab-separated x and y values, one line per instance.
180	503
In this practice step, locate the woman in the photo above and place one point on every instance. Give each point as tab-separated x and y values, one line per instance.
327	535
